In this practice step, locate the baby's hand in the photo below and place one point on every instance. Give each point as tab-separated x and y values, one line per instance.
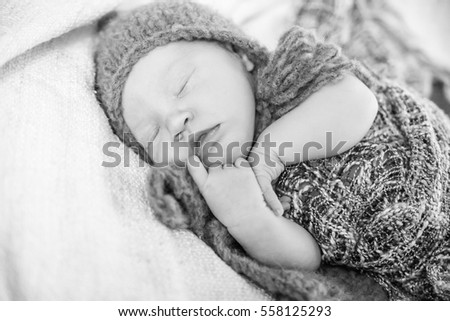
267	166
231	191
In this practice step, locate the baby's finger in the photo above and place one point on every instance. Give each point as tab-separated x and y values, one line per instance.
197	171
272	201
270	196
285	202
285	199
286	205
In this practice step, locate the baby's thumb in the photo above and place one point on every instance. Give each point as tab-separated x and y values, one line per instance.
269	194
198	171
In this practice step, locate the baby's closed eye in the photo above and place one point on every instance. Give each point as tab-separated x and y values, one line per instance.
184	83
154	133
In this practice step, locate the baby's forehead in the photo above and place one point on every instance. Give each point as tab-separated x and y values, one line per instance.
162	58
165	64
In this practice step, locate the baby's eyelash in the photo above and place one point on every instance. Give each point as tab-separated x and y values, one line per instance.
182	89
154	134
178	136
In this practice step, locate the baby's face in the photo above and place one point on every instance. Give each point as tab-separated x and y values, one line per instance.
190	94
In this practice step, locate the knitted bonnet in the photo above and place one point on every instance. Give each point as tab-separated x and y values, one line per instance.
126	37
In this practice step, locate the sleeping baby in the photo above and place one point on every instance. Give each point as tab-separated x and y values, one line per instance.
304	156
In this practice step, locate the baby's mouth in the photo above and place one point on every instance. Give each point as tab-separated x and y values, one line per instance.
208	135
205	136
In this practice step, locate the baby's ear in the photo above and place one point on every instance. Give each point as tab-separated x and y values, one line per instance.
105	20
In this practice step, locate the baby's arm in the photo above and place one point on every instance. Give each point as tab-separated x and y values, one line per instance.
277	241
345	110
234	197
329	122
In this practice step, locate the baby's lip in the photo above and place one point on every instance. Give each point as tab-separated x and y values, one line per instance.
205	135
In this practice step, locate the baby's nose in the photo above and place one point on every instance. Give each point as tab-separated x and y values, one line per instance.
179	122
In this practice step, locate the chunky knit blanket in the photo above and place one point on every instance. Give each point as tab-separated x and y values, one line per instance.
376	33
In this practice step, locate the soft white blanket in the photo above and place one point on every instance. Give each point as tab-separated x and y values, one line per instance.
70	228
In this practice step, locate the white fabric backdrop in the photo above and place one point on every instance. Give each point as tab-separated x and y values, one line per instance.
71	229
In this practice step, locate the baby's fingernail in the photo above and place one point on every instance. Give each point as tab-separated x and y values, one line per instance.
280	212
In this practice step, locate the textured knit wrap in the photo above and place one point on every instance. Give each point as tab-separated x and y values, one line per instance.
383	206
